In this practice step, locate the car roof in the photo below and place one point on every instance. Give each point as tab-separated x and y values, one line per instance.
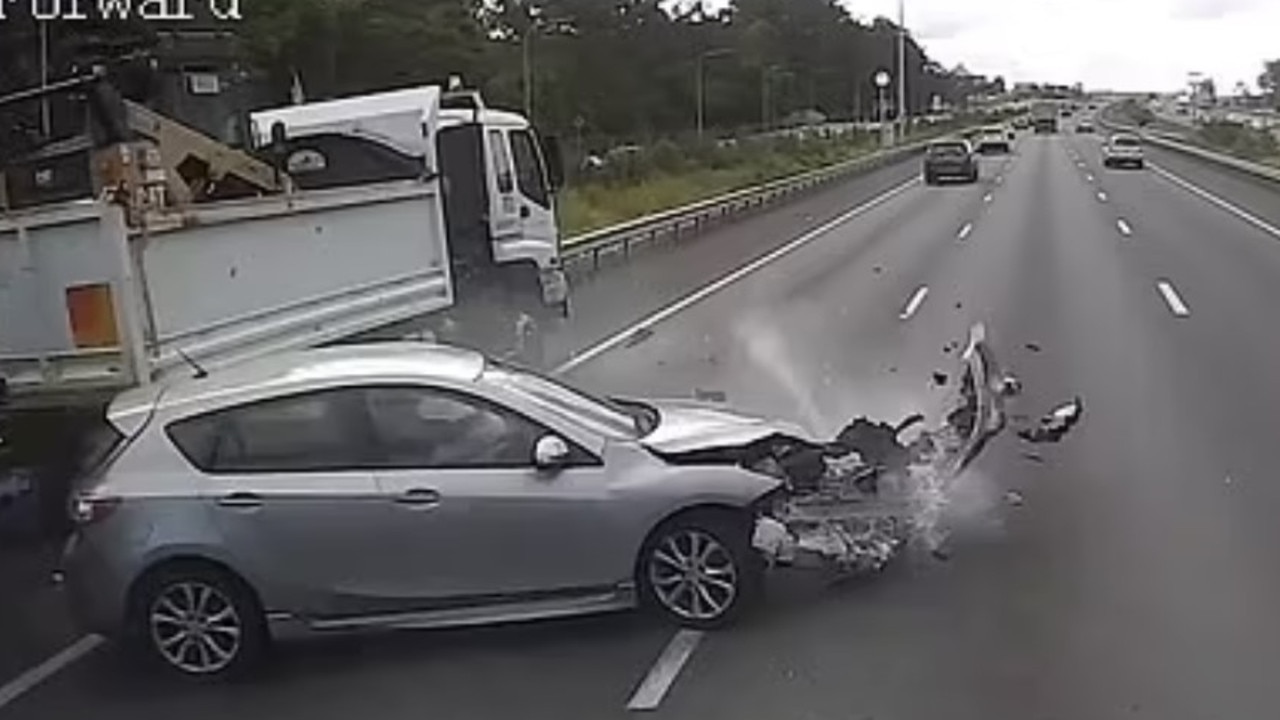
297	370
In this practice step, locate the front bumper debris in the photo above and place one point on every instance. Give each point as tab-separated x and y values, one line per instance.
852	504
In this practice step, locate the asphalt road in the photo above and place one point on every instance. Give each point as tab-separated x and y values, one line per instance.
1136	578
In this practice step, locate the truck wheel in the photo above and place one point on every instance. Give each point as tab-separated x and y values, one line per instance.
700	570
199	622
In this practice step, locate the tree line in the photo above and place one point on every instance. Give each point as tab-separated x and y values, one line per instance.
619	69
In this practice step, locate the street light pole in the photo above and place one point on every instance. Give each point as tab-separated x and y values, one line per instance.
902	64
527	70
700	84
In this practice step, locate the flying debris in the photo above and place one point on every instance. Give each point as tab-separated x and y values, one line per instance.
852	503
1056	424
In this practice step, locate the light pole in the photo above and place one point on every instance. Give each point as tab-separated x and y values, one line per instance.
882	80
700	84
526	50
902	63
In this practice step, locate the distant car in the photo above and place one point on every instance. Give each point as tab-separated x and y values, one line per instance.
993	139
1085	127
950	159
1123	150
1022	122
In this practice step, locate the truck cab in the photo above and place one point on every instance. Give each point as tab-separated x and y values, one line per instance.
499	180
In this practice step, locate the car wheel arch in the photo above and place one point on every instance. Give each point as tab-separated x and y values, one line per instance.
718	509
174	563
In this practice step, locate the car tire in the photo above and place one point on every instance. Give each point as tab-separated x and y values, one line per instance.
973	177
710	593
198	622
1139	165
930	179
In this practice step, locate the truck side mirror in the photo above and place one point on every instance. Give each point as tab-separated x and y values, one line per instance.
554	157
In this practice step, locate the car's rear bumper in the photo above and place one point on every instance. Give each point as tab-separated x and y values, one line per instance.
949	171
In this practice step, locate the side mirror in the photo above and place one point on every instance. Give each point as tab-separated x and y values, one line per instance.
550	453
554	158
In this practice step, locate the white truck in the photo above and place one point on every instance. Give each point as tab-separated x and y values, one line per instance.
406	212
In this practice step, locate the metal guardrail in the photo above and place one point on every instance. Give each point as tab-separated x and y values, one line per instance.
1173	142
695	216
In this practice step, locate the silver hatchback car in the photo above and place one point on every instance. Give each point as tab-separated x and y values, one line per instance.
399	485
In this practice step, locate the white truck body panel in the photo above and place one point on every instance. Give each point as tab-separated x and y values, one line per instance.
401	119
221	283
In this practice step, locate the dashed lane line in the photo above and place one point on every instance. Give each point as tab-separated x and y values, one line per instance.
18	686
665	670
964	231
1173	299
917	298
1124	227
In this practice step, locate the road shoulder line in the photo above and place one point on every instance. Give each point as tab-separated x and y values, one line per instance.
612	341
1209	197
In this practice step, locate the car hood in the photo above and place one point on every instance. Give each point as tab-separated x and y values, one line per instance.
690	425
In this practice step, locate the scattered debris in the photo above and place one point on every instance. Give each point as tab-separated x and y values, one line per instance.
959	305
877	269
1014	498
1033	457
1033	347
939	379
710	395
639	336
893	369
941	554
1228	480
1055	425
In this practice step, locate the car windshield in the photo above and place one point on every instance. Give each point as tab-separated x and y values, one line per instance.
615	419
1125	141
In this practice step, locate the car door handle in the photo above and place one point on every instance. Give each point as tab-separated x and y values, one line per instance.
418	498
246	500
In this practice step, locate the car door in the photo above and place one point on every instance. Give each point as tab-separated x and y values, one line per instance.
288	488
474	516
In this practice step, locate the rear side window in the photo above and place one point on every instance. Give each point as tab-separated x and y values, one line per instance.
529	168
318	431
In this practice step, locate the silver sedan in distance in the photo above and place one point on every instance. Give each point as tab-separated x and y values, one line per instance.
401	485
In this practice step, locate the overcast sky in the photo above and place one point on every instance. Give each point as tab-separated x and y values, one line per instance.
1111	44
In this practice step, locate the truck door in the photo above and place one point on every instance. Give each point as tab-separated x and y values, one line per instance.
466	201
536	206
504	204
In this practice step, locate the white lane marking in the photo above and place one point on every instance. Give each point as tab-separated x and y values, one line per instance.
655	685
964	231
1172	299
987	198
1102	196
1124	227
706	291
1236	210
914	303
16	687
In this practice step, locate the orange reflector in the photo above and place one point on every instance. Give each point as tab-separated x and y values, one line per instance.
92	315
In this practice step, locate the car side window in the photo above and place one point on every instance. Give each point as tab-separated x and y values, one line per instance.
420	427
315	431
